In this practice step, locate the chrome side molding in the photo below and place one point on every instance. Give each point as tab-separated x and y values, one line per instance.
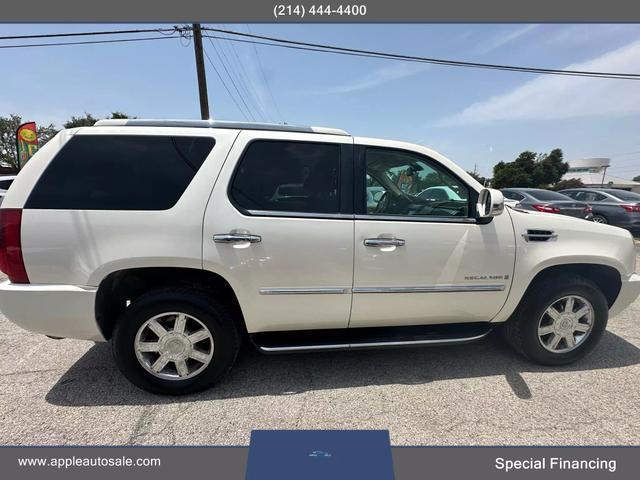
432	289
304	291
421	289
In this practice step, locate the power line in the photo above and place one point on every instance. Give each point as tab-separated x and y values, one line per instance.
247	81
88	42
101	32
241	82
230	78
297	45
264	78
204	50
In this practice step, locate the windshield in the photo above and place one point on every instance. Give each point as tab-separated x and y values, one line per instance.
547	195
624	195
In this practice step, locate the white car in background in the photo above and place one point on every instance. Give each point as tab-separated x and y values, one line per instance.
176	241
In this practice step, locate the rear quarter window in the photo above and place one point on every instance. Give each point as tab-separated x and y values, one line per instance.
120	172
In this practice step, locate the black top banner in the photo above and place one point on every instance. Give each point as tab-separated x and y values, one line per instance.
321	11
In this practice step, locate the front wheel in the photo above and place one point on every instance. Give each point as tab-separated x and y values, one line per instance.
559	321
175	341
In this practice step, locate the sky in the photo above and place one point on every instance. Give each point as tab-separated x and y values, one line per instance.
475	117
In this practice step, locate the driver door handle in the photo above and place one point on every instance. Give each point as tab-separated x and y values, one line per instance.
383	242
236	237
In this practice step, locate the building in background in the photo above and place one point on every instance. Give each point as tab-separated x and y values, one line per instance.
593	173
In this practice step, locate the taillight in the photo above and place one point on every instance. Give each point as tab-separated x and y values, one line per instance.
588	210
546	208
631	208
11	261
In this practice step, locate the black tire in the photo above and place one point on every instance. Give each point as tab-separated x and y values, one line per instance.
215	315
600	219
521	330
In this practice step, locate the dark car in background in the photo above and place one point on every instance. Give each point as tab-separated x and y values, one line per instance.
616	207
547	201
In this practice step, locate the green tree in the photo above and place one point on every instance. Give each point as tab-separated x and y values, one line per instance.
570	183
479	178
530	169
88	120
636	178
116	115
8	127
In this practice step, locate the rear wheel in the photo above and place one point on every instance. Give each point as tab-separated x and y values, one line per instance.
600	219
175	341
559	321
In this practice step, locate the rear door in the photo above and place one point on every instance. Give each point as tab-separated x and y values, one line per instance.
279	228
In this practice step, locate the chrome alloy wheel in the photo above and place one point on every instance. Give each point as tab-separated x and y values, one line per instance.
174	346
565	324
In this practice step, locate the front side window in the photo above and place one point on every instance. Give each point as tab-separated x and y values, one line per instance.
282	176
403	183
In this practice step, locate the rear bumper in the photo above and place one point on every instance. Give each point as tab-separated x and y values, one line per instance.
628	293
57	310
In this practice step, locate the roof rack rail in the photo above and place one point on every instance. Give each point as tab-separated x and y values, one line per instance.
138	122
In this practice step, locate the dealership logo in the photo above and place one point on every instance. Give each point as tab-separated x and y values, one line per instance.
319	453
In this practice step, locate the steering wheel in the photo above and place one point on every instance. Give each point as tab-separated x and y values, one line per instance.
383	203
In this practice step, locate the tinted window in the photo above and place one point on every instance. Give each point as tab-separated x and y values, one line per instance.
512	195
5	184
412	185
288	177
624	195
547	195
120	172
590	197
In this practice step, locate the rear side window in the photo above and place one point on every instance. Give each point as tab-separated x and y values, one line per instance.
547	195
512	195
285	176
120	172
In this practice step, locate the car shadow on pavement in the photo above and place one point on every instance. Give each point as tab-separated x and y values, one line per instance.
94	379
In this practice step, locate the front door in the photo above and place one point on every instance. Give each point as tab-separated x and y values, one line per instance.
279	228
420	256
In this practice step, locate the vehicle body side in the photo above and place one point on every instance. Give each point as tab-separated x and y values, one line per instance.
74	251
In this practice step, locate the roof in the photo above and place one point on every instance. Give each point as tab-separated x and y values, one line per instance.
595	178
138	122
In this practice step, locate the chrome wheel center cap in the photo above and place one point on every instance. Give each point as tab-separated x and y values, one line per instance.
175	346
566	324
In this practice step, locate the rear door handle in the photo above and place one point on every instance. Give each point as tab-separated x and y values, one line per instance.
383	242
236	237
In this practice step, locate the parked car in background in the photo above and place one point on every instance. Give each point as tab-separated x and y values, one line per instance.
547	201
616	207
439	193
5	183
374	194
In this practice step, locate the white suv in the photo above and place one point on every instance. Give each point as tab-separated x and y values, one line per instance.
171	239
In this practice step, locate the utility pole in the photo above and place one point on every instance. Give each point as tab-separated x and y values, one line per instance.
202	76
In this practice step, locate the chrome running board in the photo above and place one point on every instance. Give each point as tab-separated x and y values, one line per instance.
370	338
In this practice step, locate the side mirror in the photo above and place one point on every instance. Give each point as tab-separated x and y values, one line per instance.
490	203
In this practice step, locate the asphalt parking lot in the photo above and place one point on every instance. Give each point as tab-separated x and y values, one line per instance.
70	392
